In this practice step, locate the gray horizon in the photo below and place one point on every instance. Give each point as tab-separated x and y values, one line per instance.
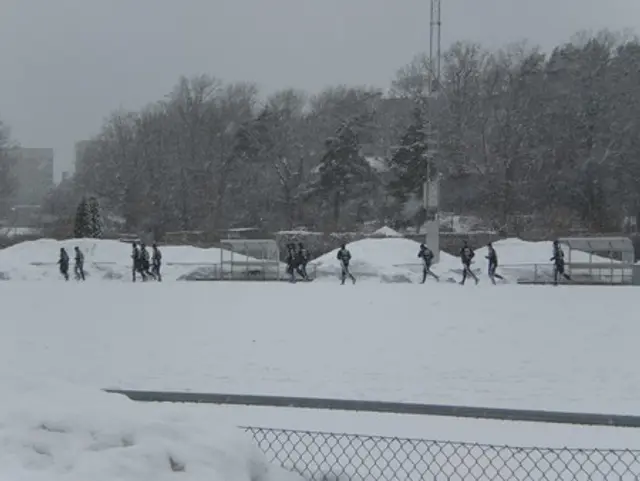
67	64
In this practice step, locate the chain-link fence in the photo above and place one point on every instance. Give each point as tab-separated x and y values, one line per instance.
341	457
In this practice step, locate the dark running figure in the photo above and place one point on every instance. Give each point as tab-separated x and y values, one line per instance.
426	255
78	268
302	259
558	263
466	255
136	267
291	261
156	262
493	264
145	263
344	256
63	262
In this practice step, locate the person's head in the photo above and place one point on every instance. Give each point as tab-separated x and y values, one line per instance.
62	250
134	245
300	245
142	246
76	248
422	246
556	243
465	243
154	245
343	246
489	245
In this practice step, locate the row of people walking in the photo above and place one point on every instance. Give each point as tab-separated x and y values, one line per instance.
143	265
78	267
467	254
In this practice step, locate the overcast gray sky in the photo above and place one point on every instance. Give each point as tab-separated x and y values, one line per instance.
65	64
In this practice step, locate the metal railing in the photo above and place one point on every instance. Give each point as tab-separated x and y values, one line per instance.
355	405
352	457
581	273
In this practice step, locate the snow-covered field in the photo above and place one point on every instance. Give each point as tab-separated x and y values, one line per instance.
571	348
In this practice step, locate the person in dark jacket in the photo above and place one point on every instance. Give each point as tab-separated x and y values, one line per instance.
302	259
145	264
136	267
344	256
492	257
426	255
466	256
558	263
79	264
156	262
291	261
63	262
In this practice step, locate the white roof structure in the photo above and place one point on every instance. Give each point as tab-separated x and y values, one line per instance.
622	245
386	232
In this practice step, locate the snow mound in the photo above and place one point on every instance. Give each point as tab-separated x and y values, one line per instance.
105	259
77	434
519	259
386	232
391	260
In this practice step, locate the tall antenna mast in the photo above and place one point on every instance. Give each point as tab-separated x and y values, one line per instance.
435	52
431	189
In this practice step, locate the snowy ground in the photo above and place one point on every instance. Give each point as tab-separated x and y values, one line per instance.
515	346
55	432
570	348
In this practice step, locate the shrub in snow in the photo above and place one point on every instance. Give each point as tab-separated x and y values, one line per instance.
88	222
82	221
96	226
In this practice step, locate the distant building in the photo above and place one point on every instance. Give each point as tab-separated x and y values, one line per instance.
33	170
80	149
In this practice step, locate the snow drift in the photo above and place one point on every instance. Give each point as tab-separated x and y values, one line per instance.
386	259
105	259
68	434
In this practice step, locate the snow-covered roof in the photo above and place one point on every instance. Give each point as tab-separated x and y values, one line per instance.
379	164
387	232
598	244
622	245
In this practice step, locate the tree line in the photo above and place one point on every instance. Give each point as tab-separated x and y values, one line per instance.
519	137
8	180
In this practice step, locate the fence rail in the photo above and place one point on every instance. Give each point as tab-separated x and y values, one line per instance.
322	456
501	414
584	273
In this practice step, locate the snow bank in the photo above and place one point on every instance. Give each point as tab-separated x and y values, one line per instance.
386	232
18	231
387	259
395	260
519	259
104	259
62	434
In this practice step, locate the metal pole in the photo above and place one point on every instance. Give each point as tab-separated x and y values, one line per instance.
431	183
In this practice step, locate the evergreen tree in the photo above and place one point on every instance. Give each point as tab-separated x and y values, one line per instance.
344	173
82	222
96	226
409	161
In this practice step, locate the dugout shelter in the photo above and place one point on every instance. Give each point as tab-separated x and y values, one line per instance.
600	260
